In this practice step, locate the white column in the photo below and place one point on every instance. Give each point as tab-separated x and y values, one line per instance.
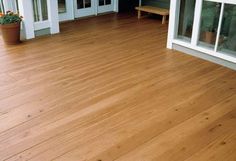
173	22
96	6
53	16
26	10
116	6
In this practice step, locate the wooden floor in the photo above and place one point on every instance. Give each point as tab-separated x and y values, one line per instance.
105	89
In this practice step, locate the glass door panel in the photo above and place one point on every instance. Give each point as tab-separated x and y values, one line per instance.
84	8
40	10
61	6
1	7
186	17
105	6
227	38
65	10
209	23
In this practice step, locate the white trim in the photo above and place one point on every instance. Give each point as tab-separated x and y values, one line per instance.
104	8
41	25
53	16
26	10
206	51
69	14
224	1
196	22
116	6
219	27
172	22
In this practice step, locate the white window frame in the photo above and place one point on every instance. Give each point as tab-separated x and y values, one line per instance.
173	28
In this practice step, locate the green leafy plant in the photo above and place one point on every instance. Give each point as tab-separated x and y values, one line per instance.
209	22
10	18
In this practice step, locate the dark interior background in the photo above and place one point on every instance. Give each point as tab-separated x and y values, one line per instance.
128	5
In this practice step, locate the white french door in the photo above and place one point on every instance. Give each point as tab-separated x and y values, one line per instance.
70	9
84	8
105	6
65	10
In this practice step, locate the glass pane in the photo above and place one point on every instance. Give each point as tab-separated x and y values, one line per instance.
108	2
186	17
44	9
227	39
1	7
40	14
36	11
62	6
87	3
80	4
101	2
209	23
83	4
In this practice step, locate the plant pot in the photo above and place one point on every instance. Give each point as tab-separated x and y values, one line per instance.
11	33
209	37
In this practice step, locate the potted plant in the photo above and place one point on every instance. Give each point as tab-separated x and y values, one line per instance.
207	24
10	27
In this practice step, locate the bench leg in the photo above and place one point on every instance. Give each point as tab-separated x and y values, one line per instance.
139	14
163	19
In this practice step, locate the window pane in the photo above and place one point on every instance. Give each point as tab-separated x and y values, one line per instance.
101	2
209	23
227	39
44	9
87	3
62	6
80	4
83	4
186	17
1	7
40	14
108	2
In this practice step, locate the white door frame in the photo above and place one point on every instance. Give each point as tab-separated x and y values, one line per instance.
85	11
72	11
69	14
106	8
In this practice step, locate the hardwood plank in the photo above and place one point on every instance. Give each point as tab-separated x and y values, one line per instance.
106	88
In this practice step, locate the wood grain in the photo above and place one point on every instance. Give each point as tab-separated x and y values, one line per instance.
106	89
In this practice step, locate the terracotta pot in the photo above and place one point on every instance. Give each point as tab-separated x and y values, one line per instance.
11	33
210	37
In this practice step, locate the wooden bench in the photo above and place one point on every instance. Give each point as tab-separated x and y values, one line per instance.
154	10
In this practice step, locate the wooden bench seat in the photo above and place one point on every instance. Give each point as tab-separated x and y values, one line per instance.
155	10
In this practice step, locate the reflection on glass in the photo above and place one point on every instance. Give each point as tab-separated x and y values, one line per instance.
44	9
1	7
83	4
186	17
108	2
40	10
87	3
62	6
227	39
101	2
104	2
209	23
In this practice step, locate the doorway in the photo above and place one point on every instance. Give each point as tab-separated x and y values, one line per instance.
69	10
